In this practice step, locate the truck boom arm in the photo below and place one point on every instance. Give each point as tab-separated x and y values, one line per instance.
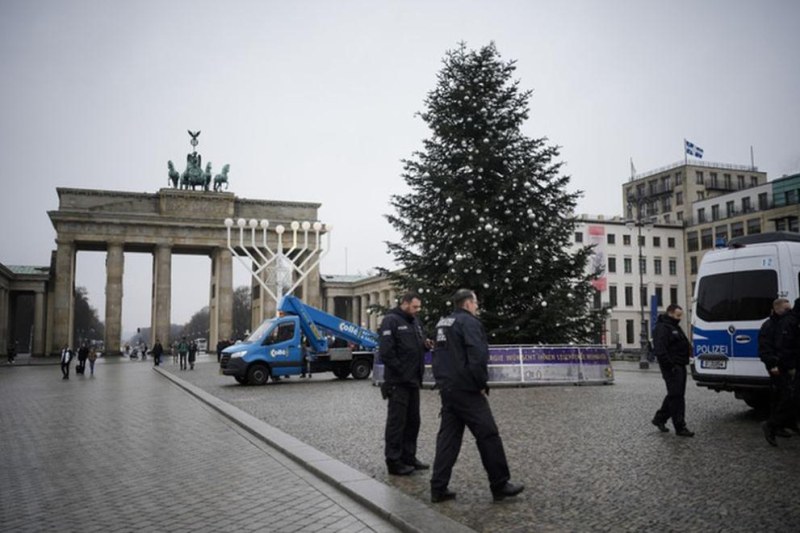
315	323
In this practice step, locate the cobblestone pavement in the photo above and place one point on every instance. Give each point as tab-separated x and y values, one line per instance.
589	457
129	451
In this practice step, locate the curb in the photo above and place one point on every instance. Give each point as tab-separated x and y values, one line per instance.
401	510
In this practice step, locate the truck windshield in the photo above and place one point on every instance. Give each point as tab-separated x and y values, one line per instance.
745	295
259	332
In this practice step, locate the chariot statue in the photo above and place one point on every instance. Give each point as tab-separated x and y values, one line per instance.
194	175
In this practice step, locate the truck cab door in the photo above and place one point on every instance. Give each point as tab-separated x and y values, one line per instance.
282	344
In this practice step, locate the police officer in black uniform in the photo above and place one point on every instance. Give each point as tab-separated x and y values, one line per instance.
401	349
460	366
672	348
768	353
787	350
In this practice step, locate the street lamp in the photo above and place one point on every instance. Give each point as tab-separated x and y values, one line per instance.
638	201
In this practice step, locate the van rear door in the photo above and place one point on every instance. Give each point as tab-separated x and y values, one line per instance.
734	297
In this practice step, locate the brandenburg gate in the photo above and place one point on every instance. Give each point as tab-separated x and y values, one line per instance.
171	221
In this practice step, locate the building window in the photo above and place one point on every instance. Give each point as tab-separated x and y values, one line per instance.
673	295
612	264
653	186
698	175
700	195
740	181
627	265
714	181
715	212
673	267
657	266
763	202
726	178
691	241
659	296
612	295
598	300
628	296
670	242
737	229
746	206
611	238
790	197
678	179
678	198
706	239
578	236
626	240
657	242
693	264
753	226
679	216
629	331
753	181
641	240
643	265
666	218
730	209
701	215
721	236
643	296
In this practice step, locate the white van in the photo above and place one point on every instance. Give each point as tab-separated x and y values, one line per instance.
734	294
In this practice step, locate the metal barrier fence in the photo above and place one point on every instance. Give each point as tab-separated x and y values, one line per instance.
529	365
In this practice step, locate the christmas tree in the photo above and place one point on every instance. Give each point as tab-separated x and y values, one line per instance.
488	210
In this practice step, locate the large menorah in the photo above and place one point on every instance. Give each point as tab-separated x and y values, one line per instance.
280	265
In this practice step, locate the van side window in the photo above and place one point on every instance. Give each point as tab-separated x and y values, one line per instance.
283	332
731	296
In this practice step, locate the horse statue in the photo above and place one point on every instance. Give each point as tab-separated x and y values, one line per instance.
193	175
174	177
221	178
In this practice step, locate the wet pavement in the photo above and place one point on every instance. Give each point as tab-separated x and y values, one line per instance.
589	457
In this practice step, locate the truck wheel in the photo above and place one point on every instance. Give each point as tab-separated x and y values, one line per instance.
241	380
361	368
258	374
341	371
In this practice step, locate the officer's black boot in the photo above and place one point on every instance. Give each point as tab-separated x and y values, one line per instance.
399	469
506	491
438	496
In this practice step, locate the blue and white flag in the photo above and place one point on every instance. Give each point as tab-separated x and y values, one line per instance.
692	149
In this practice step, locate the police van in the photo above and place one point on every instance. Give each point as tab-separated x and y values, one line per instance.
733	296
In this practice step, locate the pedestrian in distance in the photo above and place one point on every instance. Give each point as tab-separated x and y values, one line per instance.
461	370
158	351
192	354
183	352
783	372
66	358
92	357
672	350
83	354
174	351
12	352
402	349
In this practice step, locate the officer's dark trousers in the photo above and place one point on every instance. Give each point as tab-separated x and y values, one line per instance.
460	408
782	412
65	370
674	404
402	425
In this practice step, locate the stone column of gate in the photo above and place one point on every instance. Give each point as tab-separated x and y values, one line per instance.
364	318
38	324
160	318
373	317
115	268
330	305
4	321
355	310
221	305
63	306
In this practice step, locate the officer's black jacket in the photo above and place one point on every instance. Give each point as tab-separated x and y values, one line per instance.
402	348
788	340
768	339
461	357
670	344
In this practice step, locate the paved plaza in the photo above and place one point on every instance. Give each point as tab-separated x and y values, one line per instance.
127	450
589	457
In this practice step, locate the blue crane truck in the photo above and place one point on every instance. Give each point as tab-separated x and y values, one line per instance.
296	342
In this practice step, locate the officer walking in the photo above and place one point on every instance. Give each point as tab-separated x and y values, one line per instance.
787	350
672	349
402	347
460	366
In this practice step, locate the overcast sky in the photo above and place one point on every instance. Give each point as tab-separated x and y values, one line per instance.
316	101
